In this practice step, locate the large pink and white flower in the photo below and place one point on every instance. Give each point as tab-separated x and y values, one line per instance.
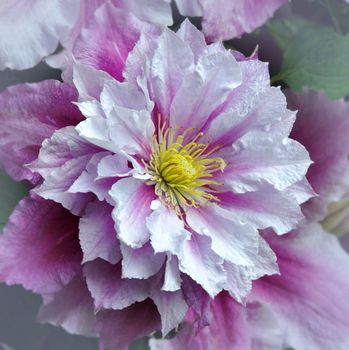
149	200
228	19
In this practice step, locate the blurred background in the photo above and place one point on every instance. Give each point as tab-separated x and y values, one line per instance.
18	308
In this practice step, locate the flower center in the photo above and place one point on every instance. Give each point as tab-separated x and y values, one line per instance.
182	172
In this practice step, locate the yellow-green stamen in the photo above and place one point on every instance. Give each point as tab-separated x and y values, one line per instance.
182	173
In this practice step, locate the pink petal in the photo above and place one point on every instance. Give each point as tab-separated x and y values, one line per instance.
29	114
157	12
265	109
172	278
327	144
40	247
232	327
97	234
109	290
190	8
88	181
224	20
108	39
167	231
193	37
227	330
309	297
152	11
71	308
118	329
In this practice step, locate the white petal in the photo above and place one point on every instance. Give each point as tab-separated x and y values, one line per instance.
172	308
173	279
133	200
141	262
167	232
204	266
232	240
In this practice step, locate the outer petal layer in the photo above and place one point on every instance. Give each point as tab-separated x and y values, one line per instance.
71	308
310	295
232	327
40	248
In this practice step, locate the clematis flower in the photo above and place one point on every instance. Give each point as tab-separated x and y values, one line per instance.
225	20
40	25
305	307
148	200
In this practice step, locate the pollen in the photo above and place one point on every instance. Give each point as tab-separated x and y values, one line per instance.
182	170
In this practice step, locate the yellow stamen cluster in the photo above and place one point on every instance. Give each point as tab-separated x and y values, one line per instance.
182	173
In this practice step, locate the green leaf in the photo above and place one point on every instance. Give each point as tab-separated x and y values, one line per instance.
10	194
315	57
283	31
